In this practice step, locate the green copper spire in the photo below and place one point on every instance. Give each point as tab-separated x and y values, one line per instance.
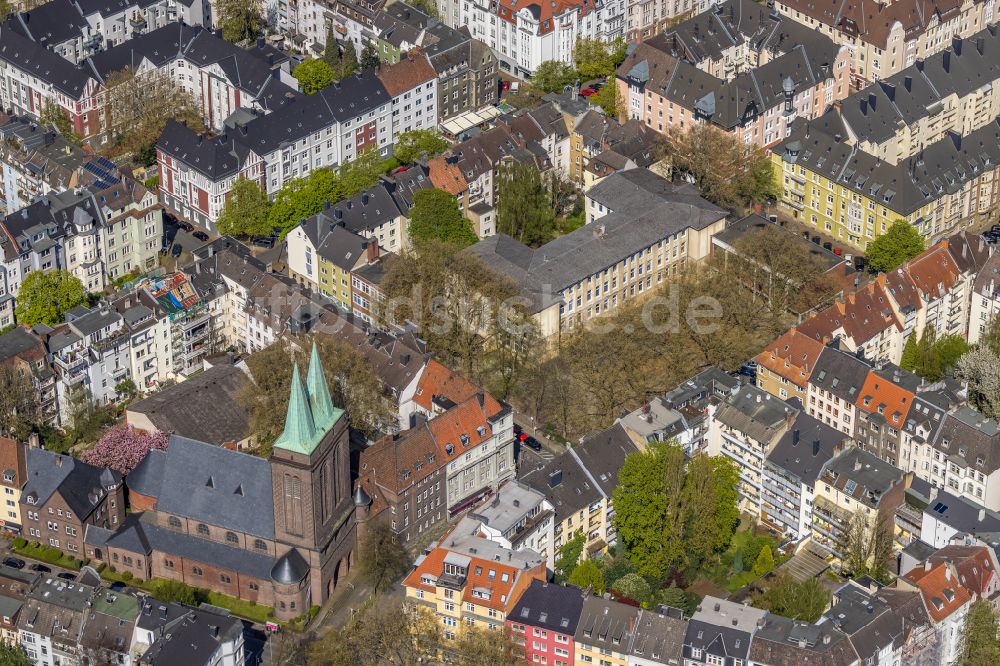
319	393
300	429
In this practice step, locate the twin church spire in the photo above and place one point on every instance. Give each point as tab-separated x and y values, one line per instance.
311	413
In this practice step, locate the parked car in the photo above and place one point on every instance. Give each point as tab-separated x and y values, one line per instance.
264	242
531	443
186	226
176	251
40	568
201	235
13	562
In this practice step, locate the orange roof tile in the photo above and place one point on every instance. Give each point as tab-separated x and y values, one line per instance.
437	380
407	74
943	595
446	175
543	11
934	271
464	426
499	584
879	395
791	356
973	565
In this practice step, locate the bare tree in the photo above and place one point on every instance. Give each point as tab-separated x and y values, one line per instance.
136	106
18	398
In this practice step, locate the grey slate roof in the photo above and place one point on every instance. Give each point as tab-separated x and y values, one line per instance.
290	568
659	636
602	455
38	61
79	484
805	447
141	535
606	624
194	639
784	642
565	484
942	167
210	484
646	208
877	112
840	373
205	406
549	606
51	23
970	439
755	412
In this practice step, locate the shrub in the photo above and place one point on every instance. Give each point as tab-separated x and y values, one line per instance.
20	542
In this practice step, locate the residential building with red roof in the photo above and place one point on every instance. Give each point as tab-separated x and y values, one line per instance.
947	602
412	85
465	590
975	566
458	450
883	405
783	368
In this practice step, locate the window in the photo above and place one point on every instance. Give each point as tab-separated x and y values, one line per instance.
168	564
203	529
225	579
196	571
260	544
232	538
174	522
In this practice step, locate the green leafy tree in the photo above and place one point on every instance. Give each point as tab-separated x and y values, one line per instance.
412	144
990	336
806	600
908	361
950	348
608	99
588	574
313	75
594	57
674	597
568	555
369	57
634	587
435	216
980	643
242	21
427	6
303	197
245	212
360	173
524	206
737	565
899	243
649	515
476	646
348	60
710	501
44	298
553	76
11	654
331	52
928	359
765	561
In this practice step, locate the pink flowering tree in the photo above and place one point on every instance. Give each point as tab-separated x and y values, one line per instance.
122	448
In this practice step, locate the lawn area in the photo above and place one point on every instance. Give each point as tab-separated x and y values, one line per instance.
238	607
48	554
724	575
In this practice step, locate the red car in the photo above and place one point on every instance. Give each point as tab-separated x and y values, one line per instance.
587	92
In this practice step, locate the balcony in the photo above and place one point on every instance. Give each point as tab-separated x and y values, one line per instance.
832	513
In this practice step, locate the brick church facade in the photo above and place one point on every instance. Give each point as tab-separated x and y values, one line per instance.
277	531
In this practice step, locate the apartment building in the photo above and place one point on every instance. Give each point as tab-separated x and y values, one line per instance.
745	428
884	39
720	631
790	472
466	590
64	497
640	227
950	92
854	483
517	518
466	68
785	365
947	600
605	631
34	161
412	85
544	621
325	129
325	256
984	302
716	68
26	351
15	474
835	186
523	37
